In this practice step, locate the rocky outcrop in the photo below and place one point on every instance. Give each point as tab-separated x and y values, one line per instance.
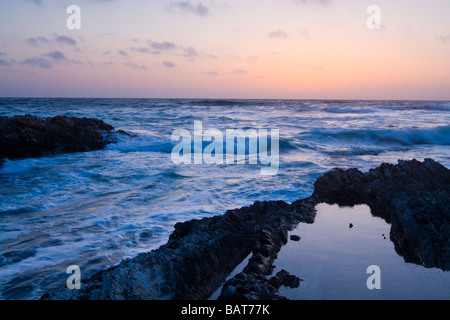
198	256
413	196
31	137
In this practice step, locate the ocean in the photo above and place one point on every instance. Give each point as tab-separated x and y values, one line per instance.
96	208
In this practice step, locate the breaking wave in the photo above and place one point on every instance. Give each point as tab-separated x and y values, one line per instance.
404	137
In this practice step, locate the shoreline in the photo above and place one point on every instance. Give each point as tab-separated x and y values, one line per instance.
200	254
412	196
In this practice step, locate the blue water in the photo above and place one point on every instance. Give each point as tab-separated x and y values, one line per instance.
94	209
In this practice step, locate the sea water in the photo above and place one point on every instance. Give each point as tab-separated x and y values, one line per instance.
94	209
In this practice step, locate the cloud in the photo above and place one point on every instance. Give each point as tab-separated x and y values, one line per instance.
43	62
165	45
444	39
240	71
304	32
35	41
38	3
4	63
37	62
155	47
122	53
253	58
134	66
56	55
65	40
141	49
324	3
210	73
278	34
102	1
190	53
187	7
169	64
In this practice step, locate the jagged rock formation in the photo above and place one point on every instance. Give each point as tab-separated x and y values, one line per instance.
32	137
198	256
412	195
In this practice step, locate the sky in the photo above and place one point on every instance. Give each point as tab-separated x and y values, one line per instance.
258	49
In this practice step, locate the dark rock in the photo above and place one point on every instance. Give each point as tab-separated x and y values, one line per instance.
284	278
199	256
350	225
413	196
245	286
295	238
31	137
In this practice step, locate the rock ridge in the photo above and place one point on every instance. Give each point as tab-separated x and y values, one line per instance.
413	196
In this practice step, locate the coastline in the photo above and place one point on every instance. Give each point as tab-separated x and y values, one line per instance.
201	253
412	196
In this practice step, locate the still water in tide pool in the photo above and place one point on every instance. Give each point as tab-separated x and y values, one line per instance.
333	260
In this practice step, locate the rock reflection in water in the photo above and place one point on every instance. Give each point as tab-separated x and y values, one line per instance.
333	260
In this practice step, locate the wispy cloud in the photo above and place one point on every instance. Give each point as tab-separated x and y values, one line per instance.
198	9
56	55
65	40
38	3
304	33
122	53
161	46
211	73
37	62
190	53
169	64
278	34
325	3
444	39
36	41
154	47
134	66
4	63
141	49
240	71
49	60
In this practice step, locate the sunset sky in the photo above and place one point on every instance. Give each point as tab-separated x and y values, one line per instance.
300	49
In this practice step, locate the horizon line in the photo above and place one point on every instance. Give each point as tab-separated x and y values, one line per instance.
222	98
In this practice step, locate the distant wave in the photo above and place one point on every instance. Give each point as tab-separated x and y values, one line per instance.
404	137
349	110
218	102
440	107
230	102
